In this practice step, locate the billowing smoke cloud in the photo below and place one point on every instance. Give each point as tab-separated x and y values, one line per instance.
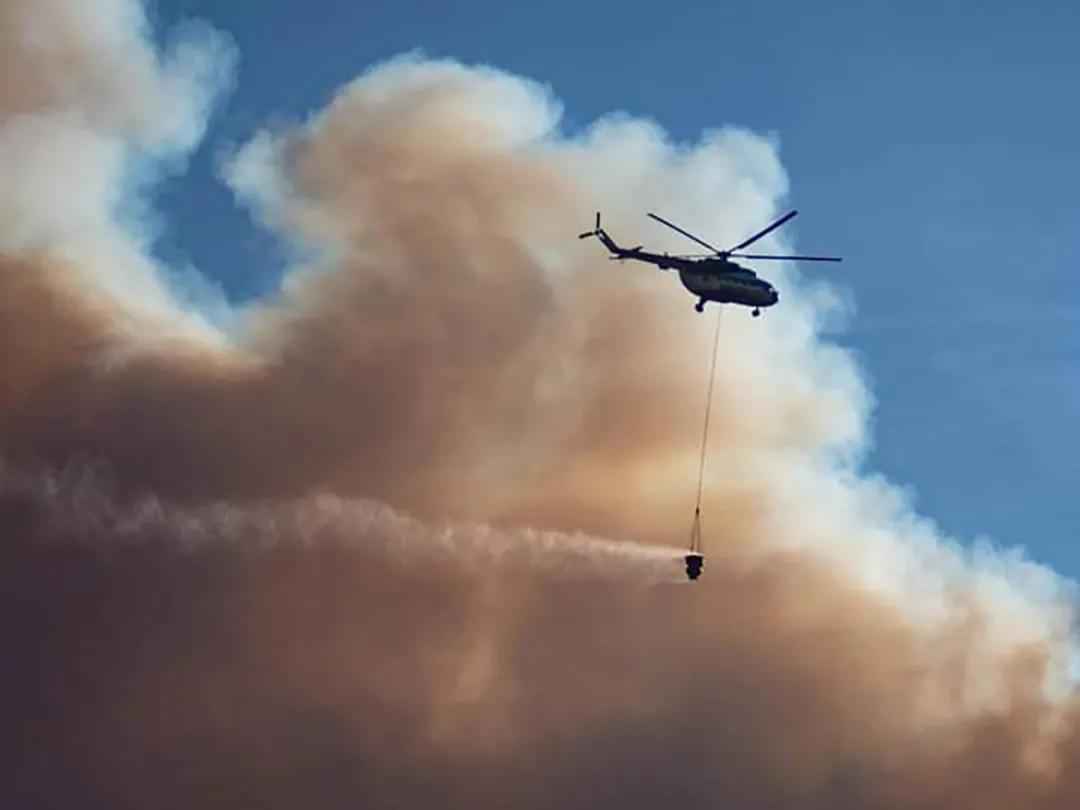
291	564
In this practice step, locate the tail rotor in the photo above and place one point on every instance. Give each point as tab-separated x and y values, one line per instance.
594	232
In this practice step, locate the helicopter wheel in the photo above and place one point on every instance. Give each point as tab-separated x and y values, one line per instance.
756	313
700	305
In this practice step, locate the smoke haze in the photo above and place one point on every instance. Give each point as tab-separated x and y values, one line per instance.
406	533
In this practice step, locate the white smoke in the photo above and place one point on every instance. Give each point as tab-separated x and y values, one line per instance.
90	112
417	144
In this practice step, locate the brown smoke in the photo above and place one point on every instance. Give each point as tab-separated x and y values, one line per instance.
284	564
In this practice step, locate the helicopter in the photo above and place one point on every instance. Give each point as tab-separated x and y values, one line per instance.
712	276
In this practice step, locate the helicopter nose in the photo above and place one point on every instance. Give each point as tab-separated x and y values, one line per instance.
774	295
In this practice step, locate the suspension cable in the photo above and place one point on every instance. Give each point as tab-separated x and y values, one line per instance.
695	532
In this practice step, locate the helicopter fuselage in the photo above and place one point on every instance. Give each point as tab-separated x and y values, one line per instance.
729	283
712	279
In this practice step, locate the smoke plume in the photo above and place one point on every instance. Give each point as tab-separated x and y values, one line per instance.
406	533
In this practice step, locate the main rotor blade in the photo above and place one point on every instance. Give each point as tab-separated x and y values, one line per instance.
760	234
687	234
787	258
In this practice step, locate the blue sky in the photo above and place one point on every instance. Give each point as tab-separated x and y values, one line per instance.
937	150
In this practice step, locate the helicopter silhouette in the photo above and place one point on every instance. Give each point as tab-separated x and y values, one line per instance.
712	276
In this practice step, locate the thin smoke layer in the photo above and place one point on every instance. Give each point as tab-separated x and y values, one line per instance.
285	566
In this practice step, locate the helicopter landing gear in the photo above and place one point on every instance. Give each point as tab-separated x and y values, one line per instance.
756	313
700	305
